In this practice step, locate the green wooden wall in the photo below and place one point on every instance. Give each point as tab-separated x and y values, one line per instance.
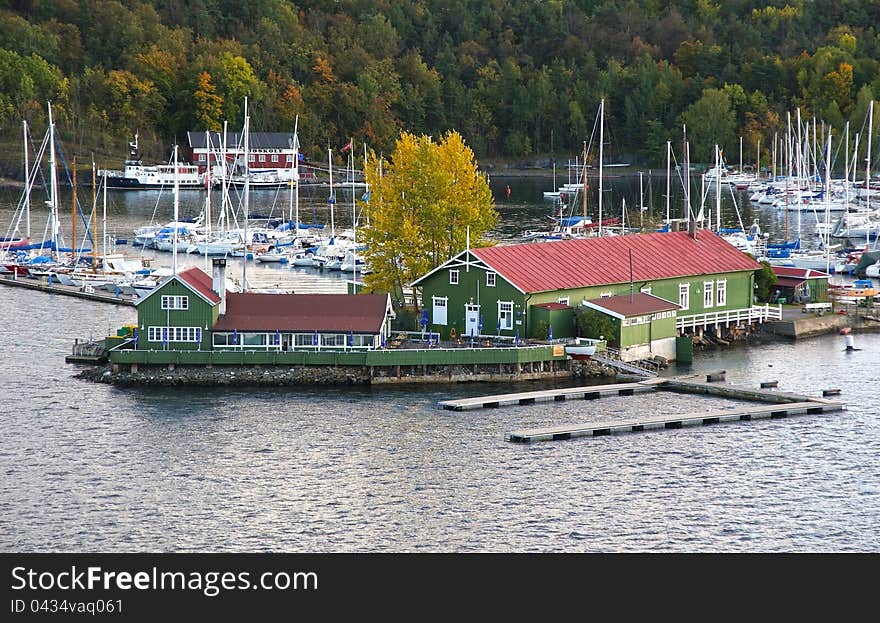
200	314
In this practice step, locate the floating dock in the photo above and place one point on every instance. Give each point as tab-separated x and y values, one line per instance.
596	429
589	392
771	404
56	288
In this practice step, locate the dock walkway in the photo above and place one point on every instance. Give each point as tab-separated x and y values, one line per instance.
596	429
98	295
588	392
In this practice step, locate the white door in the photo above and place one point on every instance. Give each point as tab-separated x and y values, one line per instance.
439	311
472	320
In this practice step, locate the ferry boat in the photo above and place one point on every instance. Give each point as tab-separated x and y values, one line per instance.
137	176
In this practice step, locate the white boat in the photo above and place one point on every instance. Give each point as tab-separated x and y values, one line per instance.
137	176
580	351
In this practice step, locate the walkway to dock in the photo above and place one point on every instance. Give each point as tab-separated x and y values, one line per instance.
98	295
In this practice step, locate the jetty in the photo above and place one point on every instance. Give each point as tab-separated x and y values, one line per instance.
95	294
767	403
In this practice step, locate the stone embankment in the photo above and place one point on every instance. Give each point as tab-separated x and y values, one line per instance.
277	376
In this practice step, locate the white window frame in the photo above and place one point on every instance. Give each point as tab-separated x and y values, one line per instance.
252	158
645	290
490	279
708	294
563	300
175	302
721	293
684	296
201	157
274	157
505	315
444	304
174	334
453	277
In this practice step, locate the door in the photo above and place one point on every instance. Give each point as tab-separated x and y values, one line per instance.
471	320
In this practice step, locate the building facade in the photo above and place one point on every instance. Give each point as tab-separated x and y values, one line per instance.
500	290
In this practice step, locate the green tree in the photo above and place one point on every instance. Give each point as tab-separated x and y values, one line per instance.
424	200
710	121
765	279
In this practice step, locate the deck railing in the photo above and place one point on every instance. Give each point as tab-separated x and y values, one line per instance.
755	313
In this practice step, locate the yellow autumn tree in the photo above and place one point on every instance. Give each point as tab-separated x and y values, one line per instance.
423	200
209	105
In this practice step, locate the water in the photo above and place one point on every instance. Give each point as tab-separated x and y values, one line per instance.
91	467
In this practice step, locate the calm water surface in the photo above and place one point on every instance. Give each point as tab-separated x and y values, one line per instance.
89	467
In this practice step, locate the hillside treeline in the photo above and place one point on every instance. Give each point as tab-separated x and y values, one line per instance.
516	78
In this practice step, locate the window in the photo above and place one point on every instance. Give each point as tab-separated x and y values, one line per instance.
252	158
684	295
606	295
708	294
289	157
439	304
490	280
201	157
505	315
563	300
453	277
175	302
721	292
645	290
174	334
274	157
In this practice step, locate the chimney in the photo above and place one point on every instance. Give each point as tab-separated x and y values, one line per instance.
692	229
218	283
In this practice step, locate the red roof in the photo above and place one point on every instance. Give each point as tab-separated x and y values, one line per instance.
553	306
637	305
358	313
798	273
199	281
566	264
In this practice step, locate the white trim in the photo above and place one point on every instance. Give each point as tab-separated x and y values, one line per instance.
684	289
457	273
457	260
508	326
721	287
494	275
440	302
604	310
708	294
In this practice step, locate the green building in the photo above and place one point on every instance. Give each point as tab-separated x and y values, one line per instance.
192	311
505	290
801	285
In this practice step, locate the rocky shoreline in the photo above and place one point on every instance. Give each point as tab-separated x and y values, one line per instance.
281	376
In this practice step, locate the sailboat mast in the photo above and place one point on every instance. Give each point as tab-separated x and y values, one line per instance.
332	198
668	176
247	191
73	252
27	189
718	189
93	220
601	155
53	186
104	236
176	214
868	159
828	204
209	184
584	184
296	176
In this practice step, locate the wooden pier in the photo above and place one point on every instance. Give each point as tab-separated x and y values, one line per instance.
98	295
596	429
589	392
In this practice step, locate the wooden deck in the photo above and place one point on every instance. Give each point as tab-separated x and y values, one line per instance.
632	425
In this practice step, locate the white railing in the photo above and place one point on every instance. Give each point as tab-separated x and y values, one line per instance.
755	313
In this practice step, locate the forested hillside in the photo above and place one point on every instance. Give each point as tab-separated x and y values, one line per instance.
515	77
